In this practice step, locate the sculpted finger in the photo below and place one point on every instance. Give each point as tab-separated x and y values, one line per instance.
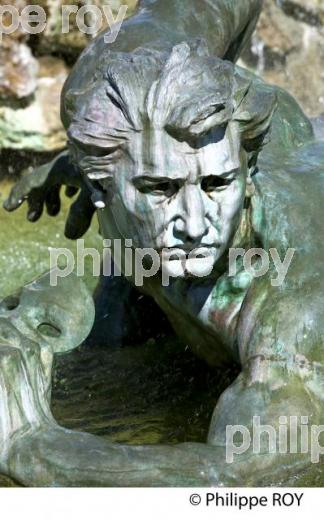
53	202
17	196
80	216
35	209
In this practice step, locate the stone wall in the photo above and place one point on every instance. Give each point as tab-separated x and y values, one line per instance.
288	49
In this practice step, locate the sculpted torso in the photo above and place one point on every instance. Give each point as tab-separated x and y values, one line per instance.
182	151
193	196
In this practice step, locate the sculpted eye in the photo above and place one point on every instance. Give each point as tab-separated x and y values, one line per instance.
48	329
214	183
159	188
162	188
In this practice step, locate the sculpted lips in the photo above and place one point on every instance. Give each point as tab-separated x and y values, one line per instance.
185	252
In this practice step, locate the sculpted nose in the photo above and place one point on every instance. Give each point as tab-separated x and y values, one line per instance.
191	224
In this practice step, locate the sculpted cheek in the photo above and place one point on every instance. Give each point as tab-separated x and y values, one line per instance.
233	199
130	197
147	221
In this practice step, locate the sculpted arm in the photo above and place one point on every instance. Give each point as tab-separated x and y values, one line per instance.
281	339
39	452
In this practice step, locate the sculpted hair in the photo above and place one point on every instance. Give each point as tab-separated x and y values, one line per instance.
187	93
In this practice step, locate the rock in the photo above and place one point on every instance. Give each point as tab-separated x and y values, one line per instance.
288	49
18	67
308	11
30	88
69	45
37	126
18	72
29	94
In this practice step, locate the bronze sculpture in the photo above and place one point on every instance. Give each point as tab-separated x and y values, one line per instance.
180	149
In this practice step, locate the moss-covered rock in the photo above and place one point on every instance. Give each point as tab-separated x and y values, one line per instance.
288	49
37	125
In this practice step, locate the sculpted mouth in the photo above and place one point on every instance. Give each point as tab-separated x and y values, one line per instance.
184	252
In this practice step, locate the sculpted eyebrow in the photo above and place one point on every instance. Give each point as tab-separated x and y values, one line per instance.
214	134
231	173
225	175
96	150
149	179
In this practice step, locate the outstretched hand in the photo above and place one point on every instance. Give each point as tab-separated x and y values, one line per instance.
42	188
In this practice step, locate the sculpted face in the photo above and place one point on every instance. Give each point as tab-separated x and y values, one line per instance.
170	140
181	197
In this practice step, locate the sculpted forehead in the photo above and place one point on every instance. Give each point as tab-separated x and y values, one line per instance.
152	110
156	153
186	93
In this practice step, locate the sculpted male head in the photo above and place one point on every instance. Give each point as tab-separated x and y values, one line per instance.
171	139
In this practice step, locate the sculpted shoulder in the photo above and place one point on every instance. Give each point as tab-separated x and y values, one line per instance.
288	203
286	323
290	127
